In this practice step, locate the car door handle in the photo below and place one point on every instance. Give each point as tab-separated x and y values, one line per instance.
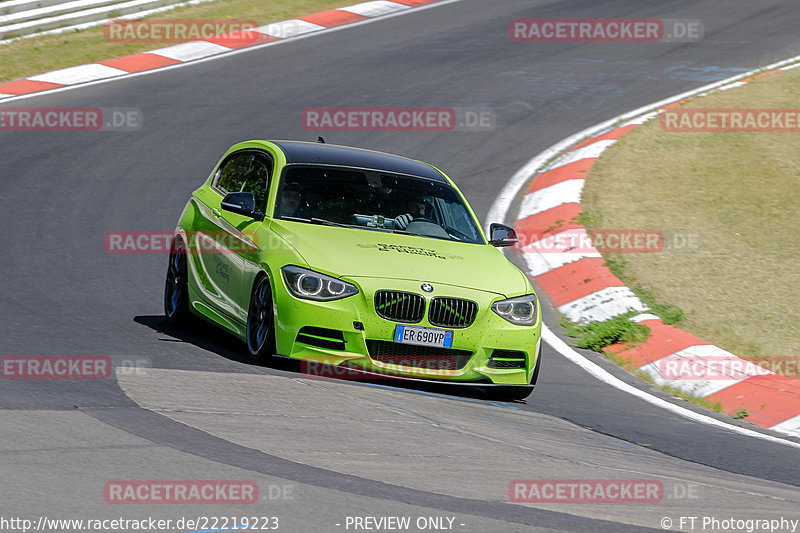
217	212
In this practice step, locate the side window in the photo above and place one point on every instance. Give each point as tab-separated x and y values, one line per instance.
246	171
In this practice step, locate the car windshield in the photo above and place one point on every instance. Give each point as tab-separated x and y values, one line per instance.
375	200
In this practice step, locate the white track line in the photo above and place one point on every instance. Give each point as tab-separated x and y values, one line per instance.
564	349
502	204
591	151
79	74
375	8
601	305
563	192
289	28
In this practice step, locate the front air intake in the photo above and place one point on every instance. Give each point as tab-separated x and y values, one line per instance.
507	359
330	339
428	357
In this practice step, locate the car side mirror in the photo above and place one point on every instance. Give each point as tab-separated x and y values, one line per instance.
242	203
502	235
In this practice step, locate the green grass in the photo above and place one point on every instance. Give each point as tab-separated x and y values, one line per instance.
27	57
597	335
740	192
669	313
741	413
702	402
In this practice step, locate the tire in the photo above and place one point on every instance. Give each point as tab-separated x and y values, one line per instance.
512	393
261	323
176	287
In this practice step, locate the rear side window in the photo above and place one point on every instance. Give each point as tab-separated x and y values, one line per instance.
246	171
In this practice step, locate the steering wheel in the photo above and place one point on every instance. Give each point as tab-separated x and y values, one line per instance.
423	219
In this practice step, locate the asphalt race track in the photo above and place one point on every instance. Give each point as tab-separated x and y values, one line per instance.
320	450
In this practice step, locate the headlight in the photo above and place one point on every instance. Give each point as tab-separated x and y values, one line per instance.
520	310
311	285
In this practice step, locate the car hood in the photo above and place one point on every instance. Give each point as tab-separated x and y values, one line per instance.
353	253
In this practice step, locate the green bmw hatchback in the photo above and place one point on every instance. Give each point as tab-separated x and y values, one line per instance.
354	259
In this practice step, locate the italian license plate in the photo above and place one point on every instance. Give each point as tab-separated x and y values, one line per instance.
442	338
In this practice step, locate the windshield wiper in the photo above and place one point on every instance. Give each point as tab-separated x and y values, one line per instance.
404	232
323	222
314	220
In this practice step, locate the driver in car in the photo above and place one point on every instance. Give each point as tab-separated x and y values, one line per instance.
417	208
290	200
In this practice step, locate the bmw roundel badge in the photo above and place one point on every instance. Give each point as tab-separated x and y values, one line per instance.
427	287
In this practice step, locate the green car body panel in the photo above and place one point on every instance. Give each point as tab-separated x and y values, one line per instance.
227	252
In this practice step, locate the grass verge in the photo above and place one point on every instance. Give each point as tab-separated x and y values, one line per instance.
597	335
27	57
737	194
669	313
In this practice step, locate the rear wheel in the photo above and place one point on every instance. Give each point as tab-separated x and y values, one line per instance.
176	288
260	323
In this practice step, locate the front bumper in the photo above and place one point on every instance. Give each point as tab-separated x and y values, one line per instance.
346	332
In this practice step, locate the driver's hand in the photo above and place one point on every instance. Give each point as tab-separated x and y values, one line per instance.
401	221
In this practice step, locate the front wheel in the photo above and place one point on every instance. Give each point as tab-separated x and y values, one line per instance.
176	288
260	323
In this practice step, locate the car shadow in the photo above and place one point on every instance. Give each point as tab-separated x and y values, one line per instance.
200	334
213	339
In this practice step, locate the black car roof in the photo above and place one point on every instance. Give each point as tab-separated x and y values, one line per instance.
332	154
